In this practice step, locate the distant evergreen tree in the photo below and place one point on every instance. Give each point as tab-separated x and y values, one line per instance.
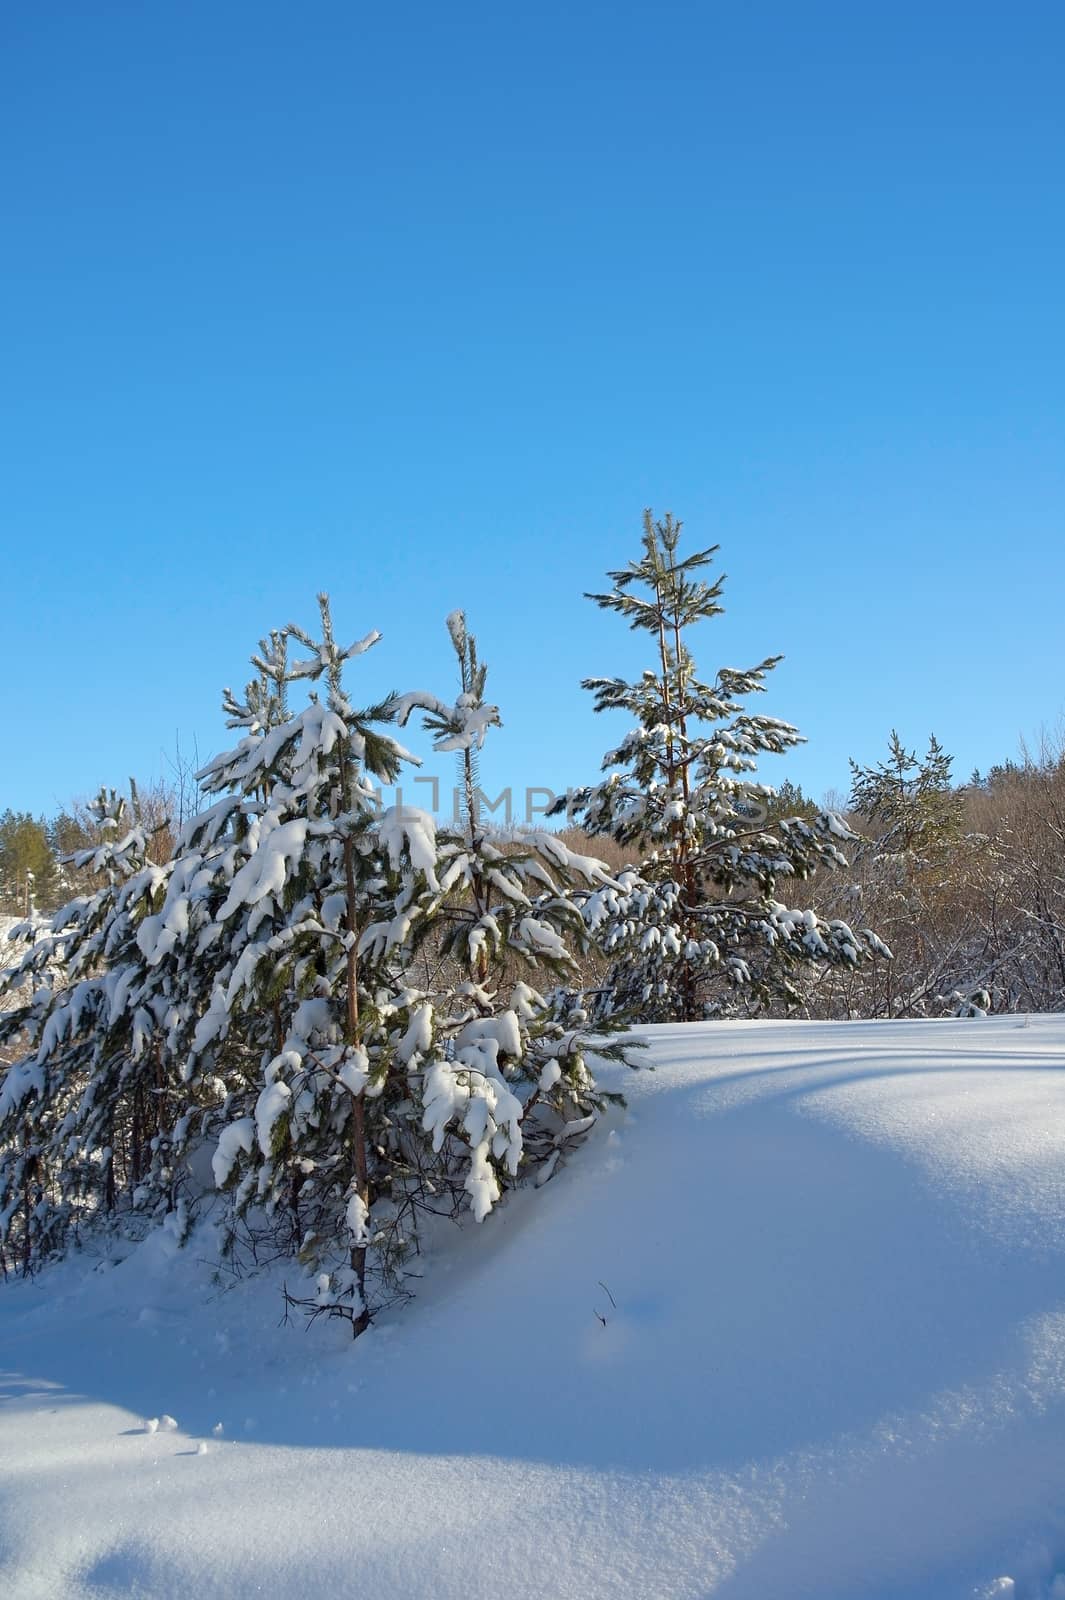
27	865
912	877
1003	772
703	904
788	801
909	800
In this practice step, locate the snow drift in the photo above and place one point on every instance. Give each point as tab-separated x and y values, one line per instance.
793	1325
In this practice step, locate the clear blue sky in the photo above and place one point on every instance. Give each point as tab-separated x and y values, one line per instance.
423	303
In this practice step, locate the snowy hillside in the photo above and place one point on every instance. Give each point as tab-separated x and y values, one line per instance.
793	1326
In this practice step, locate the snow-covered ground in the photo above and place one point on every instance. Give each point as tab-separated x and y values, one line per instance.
793	1326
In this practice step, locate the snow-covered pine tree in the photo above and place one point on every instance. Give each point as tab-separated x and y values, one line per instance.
702	906
505	1080
83	1102
290	1017
221	1000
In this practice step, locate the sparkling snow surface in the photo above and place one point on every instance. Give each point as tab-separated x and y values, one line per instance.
793	1326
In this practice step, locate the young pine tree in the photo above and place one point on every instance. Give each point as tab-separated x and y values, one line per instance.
504	1066
681	793
82	1102
913	881
294	1010
909	801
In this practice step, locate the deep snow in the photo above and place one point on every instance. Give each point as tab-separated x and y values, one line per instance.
792	1326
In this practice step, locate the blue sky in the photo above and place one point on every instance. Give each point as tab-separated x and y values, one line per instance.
424	303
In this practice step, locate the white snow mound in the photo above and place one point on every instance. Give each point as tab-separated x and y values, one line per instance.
791	1327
